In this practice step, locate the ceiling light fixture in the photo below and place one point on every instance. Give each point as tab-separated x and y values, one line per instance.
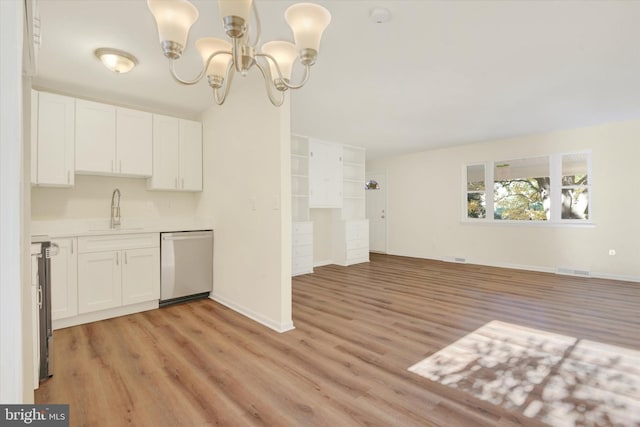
116	60
222	59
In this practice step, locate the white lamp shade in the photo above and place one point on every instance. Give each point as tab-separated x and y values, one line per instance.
307	21
240	8
174	19
285	54
218	65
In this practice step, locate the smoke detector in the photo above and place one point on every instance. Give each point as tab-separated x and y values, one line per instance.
380	15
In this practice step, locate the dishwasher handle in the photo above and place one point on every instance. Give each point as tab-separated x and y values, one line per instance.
188	235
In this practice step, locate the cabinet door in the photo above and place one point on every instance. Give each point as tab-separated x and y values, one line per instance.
100	279
141	275
325	175
134	144
64	279
56	118
95	137
190	155
166	152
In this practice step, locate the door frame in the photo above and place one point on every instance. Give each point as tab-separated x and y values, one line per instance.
386	207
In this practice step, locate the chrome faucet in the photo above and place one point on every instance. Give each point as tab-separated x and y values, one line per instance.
115	209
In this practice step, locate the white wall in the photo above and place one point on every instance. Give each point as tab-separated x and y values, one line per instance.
426	205
247	190
322	235
91	198
14	376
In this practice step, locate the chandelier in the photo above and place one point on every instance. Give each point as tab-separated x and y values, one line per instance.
222	58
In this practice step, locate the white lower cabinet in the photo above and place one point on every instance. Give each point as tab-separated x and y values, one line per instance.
116	271
141	275
64	278
351	242
302	248
100	276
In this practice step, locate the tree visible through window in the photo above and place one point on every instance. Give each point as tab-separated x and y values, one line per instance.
554	188
521	189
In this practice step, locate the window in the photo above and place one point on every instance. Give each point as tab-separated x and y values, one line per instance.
476	195
575	186
521	189
554	188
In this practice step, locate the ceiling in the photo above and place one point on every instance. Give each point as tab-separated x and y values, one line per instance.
438	73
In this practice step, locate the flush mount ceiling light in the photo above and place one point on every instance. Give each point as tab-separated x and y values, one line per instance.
222	59
116	60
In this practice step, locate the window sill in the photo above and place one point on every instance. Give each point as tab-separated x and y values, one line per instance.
569	224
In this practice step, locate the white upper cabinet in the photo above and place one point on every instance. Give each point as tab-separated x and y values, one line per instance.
134	142
325	174
177	154
190	155
52	144
95	137
112	140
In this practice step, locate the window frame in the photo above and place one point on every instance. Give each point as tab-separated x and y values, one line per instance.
556	187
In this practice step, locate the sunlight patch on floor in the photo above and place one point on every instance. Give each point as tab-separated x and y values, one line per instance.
555	378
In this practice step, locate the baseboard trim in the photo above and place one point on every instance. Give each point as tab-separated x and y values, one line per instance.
269	323
104	314
322	263
593	274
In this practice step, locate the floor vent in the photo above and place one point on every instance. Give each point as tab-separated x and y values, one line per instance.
461	260
573	272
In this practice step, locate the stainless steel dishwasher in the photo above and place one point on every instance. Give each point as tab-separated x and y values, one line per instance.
186	266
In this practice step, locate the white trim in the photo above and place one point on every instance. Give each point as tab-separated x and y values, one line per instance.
104	314
555	178
538	269
269	323
567	223
322	263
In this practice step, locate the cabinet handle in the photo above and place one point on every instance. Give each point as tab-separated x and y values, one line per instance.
71	246
117	258
126	258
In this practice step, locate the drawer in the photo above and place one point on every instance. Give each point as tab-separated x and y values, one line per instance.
302	228
302	239
304	250
121	241
355	230
355	254
357	244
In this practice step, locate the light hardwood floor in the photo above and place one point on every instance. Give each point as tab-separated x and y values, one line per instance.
358	330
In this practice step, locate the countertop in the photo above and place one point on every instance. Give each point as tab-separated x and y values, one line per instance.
100	226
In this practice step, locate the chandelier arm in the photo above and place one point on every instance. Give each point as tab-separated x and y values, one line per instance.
254	9
200	74
305	78
236	54
227	86
268	84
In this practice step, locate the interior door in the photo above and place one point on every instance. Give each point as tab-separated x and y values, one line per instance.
376	198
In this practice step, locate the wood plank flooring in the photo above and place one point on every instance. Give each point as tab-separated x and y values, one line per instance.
358	330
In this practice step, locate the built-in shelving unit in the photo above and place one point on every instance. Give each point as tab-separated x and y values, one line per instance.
336	175
299	178
353	198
